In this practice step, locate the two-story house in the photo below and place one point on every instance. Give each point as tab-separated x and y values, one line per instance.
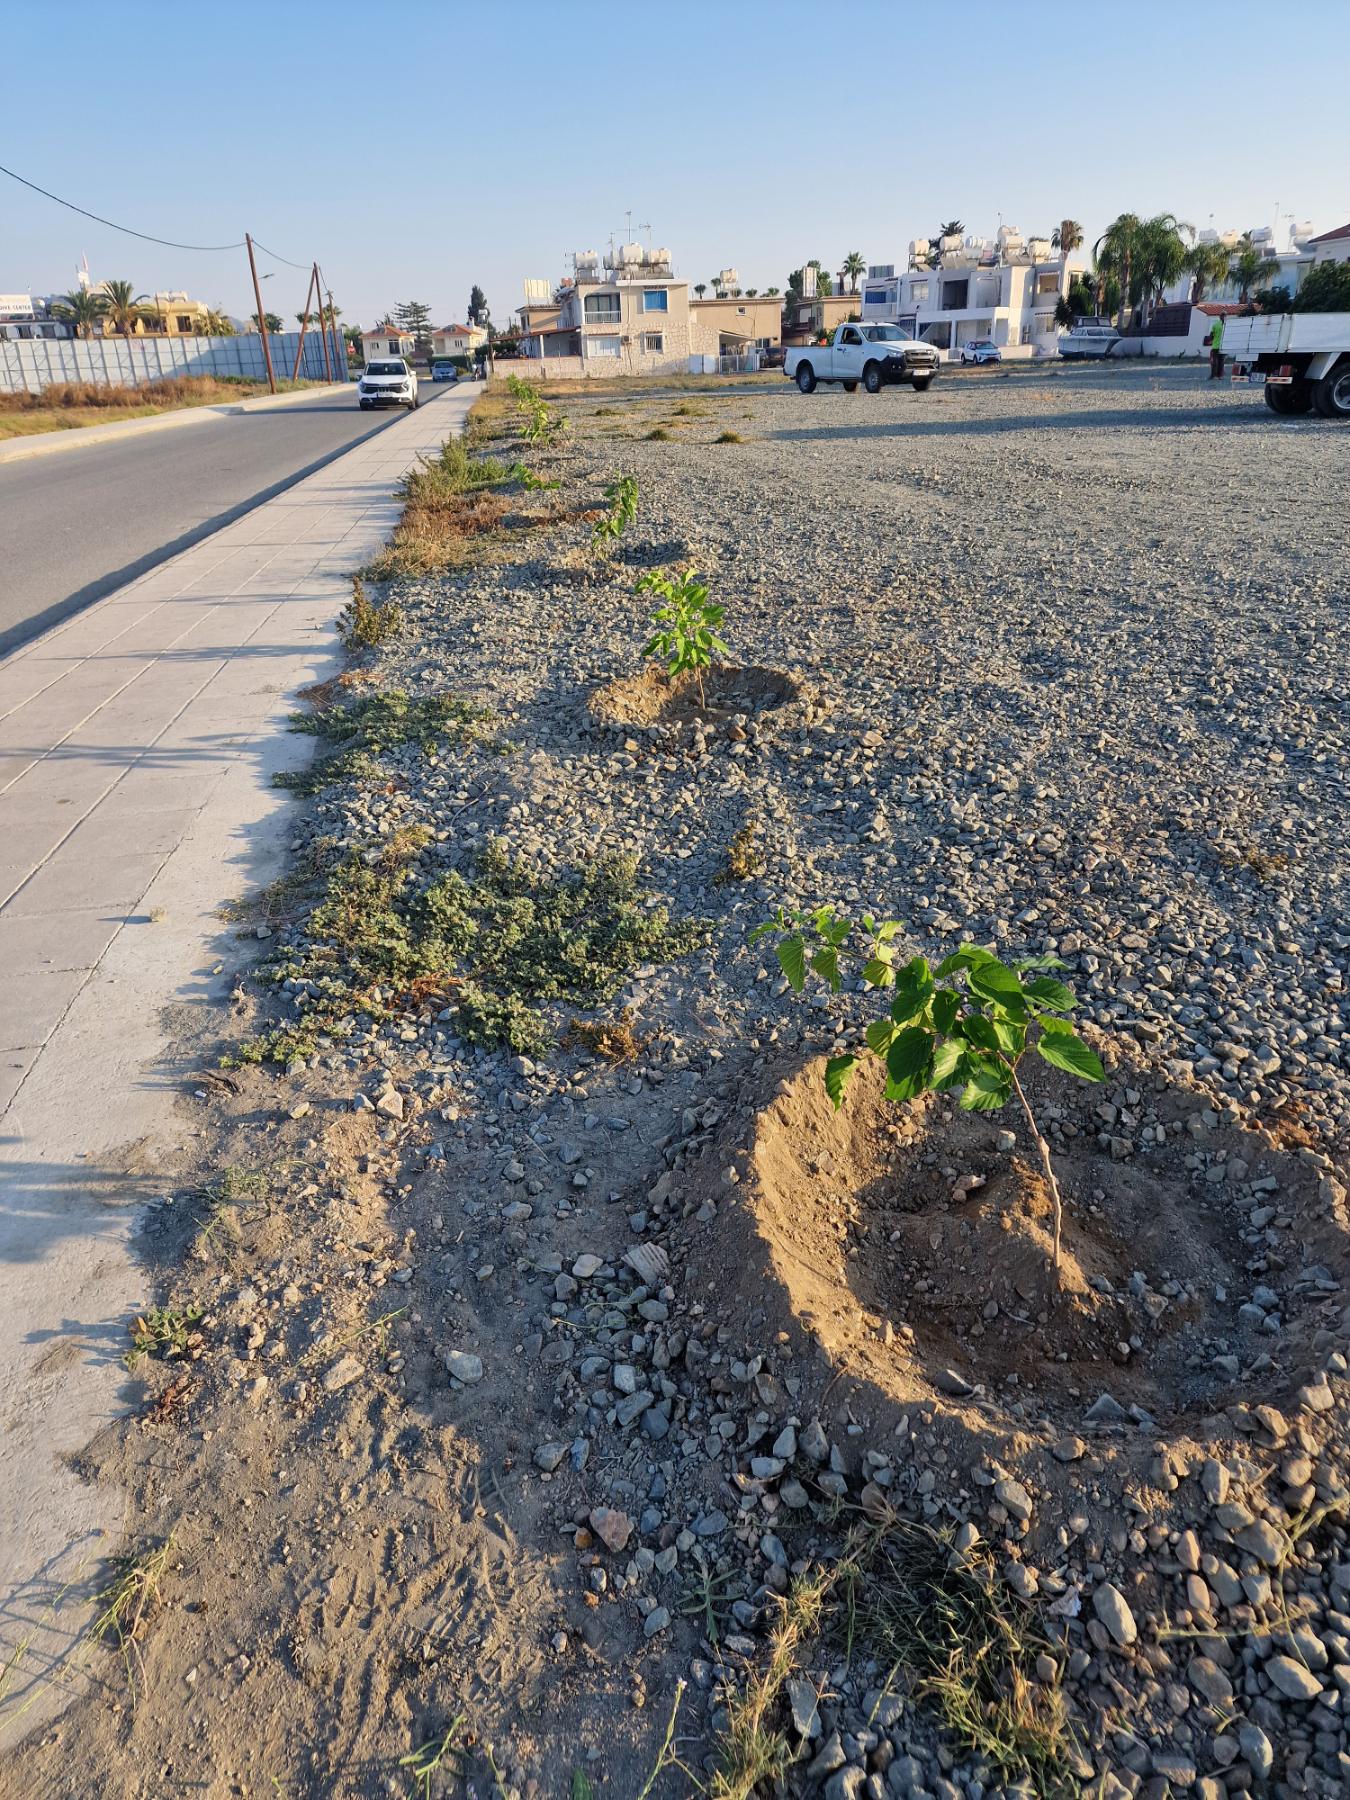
386	340
457	340
629	315
968	288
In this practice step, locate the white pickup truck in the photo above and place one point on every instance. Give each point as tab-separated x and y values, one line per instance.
1305	358
875	355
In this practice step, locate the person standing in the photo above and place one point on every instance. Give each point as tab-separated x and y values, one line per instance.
1215	342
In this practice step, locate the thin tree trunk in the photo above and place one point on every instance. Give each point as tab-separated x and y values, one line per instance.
1046	1166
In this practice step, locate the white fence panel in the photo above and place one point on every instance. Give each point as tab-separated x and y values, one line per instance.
28	365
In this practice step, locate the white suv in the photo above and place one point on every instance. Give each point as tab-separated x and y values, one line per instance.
389	381
981	350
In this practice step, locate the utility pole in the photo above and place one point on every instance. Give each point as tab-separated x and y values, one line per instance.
304	322
262	317
323	329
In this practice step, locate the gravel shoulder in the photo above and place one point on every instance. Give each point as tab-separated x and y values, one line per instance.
521	1386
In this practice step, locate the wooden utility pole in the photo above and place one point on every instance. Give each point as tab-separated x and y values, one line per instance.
304	322
262	316
324	329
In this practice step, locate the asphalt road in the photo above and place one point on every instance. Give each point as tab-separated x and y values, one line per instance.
76	525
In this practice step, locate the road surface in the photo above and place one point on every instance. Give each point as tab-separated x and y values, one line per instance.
79	524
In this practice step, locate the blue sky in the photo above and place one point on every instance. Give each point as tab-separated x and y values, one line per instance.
416	149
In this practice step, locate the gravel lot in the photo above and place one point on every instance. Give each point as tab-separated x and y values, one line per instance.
567	1372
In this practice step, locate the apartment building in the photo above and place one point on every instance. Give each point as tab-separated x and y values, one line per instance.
741	323
963	288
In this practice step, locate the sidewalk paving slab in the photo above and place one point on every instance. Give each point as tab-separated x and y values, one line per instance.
138	740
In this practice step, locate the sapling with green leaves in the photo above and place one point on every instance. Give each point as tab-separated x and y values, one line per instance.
622	495
686	635
966	1024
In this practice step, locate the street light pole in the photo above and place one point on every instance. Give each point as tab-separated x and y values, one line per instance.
262	317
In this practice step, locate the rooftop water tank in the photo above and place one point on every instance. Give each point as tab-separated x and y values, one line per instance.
586	259
661	258
1302	234
631	254
918	249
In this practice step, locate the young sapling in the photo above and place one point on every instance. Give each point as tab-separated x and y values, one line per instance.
686	634
966	1024
622	495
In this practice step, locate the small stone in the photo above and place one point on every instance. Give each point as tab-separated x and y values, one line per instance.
802	1700
1264	1542
1209	1681
550	1456
1113	1610
343	1373
1292	1679
464	1366
389	1104
658	1619
585	1266
1067	1449
1256	1748
1105	1410
612	1527
1015	1497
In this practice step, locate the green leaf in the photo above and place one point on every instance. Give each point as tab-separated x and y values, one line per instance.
984	1092
581	1787
908	1062
877	973
1048	992
1011	1037
969	956
913	990
837	1071
946	1005
993	981
978	1030
1027	963
1055	1027
791	955
880	1034
1065	1051
826	965
949	1060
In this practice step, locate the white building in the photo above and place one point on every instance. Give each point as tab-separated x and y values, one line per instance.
1290	252
1005	290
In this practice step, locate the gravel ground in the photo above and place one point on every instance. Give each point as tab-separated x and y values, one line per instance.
1048	659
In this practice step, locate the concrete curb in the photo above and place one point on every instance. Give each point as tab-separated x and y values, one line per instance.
47	443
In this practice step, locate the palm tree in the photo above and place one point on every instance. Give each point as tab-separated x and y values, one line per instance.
772	293
122	307
84	309
1249	266
1162	256
750	293
1207	265
1116	252
952	228
1066	238
854	266
700	288
217	323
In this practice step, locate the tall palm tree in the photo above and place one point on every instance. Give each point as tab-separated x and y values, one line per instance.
1162	256
772	293
854	266
1207	265
217	323
1066	238
84	309
122	307
1116	252
700	288
1249	266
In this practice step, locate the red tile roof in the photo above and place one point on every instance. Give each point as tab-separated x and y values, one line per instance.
1327	237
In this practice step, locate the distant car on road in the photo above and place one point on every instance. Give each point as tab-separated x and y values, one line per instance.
389	381
442	369
981	350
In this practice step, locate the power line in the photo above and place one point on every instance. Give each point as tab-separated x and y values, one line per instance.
146	236
259	245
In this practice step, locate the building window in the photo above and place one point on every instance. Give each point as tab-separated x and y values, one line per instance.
602	309
1026	334
918	293
655	300
955	295
1047	284
1045	322
602	346
652	343
184	323
877	296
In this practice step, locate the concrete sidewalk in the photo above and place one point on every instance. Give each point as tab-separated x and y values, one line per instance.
137	744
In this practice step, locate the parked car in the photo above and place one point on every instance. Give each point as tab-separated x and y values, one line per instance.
875	355
443	369
981	350
389	381
772	358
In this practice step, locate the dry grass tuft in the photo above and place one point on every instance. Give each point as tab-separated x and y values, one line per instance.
744	861
729	437
444	506
612	1040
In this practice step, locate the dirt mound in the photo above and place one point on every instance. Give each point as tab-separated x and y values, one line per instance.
1198	1254
726	693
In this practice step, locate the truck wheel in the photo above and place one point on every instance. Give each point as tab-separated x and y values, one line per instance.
922	383
850	387
872	378
806	378
1332	394
1296	398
